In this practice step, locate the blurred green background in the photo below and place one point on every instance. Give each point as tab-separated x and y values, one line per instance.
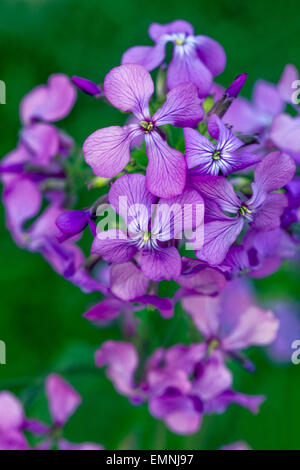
40	317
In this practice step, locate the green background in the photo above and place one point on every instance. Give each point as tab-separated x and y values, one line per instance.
40	318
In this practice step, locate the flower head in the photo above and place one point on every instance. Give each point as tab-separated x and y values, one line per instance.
196	59
129	88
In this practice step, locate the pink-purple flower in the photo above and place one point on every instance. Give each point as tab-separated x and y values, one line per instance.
196	59
224	154
129	88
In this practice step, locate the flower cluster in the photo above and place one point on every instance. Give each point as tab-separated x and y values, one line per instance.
198	187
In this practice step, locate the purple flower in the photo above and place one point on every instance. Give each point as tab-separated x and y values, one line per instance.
254	117
48	103
196	59
226	213
261	253
230	322
129	88
226	156
180	383
268	101
149	234
63	401
127	294
43	105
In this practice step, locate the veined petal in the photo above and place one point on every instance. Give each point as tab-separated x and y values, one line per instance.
107	151
272	173
129	87
198	151
127	281
131	199
219	235
177	215
218	190
182	107
114	246
211	53
166	171
148	56
187	67
161	264
268	215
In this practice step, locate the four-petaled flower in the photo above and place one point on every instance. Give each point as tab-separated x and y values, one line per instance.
129	88
226	155
150	234
196	59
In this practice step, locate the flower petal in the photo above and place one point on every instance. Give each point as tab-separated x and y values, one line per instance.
182	107
285	85
267	98
156	30
22	201
187	67
127	281
166	170
104	311
272	173
107	151
285	134
114	246
219	235
42	140
268	215
11	412
63	399
205	312
129	87
122	361
177	215
161	264
216	189
211	54
131	199
254	327
148	56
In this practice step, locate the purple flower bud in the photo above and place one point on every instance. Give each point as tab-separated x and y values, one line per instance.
14	168
72	222
87	86
234	89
